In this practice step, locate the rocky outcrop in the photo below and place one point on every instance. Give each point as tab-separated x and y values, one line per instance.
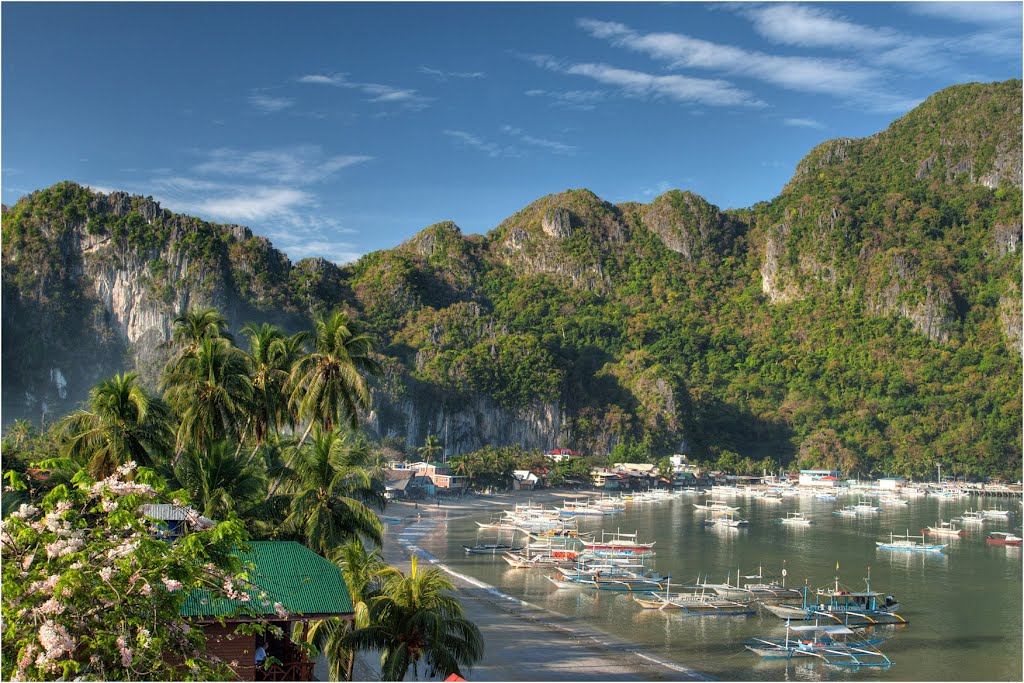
904	289
690	226
557	222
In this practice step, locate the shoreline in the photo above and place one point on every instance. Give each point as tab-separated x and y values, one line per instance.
524	642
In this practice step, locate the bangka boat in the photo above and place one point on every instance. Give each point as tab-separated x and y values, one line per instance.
892	500
971	517
844	606
943	529
1003	538
796	519
826	496
619	544
865	506
826	642
994	512
491	548
725	518
909	543
757	589
848	511
715	506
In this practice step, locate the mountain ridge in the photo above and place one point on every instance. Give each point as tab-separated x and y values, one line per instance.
577	321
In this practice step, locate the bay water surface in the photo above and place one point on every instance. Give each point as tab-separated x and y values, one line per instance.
964	605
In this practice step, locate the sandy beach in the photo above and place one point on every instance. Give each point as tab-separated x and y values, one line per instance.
523	642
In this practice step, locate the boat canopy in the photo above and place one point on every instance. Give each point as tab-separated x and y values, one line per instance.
831	630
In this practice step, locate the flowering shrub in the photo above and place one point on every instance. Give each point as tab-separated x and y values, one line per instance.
88	591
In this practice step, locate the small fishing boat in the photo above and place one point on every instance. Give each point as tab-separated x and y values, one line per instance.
842	605
829	643
723	518
972	518
892	500
715	506
943	529
848	511
491	549
796	519
826	496
865	505
757	589
992	512
909	543
619	544
1003	538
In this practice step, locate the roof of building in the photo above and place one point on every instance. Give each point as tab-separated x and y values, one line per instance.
282	572
168	512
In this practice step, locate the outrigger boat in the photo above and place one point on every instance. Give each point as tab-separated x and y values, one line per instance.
725	518
909	543
1003	538
992	512
821	642
796	519
848	511
715	506
865	505
844	606
943	529
692	603
491	549
619	544
971	517
760	590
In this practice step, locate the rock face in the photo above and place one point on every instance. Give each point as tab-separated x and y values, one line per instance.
690	226
924	299
557	222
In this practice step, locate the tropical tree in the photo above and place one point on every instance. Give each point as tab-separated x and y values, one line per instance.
89	594
270	358
209	389
417	620
431	448
329	384
361	570
218	480
332	491
193	326
122	422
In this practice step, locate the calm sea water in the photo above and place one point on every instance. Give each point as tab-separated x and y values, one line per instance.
964	605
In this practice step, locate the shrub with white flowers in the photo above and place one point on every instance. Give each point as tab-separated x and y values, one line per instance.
90	593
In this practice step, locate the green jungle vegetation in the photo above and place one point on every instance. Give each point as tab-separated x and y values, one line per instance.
867	318
265	442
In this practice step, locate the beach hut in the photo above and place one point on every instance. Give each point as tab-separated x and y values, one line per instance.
289	585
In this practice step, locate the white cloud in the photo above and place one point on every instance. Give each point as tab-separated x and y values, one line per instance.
644	85
445	75
252	203
550	145
803	74
583	100
813	26
468	140
269	104
996	14
299	164
804	123
377	92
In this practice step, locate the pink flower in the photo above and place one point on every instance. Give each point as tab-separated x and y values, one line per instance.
55	640
126	652
25	511
281	611
106	573
171	584
27	562
144	637
51	606
145	590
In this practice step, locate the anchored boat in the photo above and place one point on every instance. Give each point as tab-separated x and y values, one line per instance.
844	606
828	643
909	543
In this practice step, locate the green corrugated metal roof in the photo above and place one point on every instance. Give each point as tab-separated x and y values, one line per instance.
281	571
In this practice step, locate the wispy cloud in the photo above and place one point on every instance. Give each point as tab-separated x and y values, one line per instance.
644	85
377	92
471	141
980	13
813	26
583	100
269	104
445	75
550	145
804	123
803	74
299	164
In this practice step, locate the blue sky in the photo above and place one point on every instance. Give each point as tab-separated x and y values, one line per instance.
337	129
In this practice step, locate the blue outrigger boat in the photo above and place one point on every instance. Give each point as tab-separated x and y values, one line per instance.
827	643
909	543
845	607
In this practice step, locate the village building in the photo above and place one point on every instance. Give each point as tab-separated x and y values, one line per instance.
440	475
819	478
289	585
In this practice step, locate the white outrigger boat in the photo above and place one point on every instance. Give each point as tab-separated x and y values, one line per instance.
945	529
758	589
971	517
842	605
909	543
829	643
865	505
716	506
619	544
795	519
725	518
994	512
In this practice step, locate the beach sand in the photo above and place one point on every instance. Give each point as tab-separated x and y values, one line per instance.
523	642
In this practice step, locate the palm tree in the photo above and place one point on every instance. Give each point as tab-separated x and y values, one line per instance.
192	327
271	358
331	489
218	480
430	449
416	619
329	385
209	389
121	422
361	570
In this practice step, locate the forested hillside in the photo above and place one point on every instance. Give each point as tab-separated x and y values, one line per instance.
869	317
